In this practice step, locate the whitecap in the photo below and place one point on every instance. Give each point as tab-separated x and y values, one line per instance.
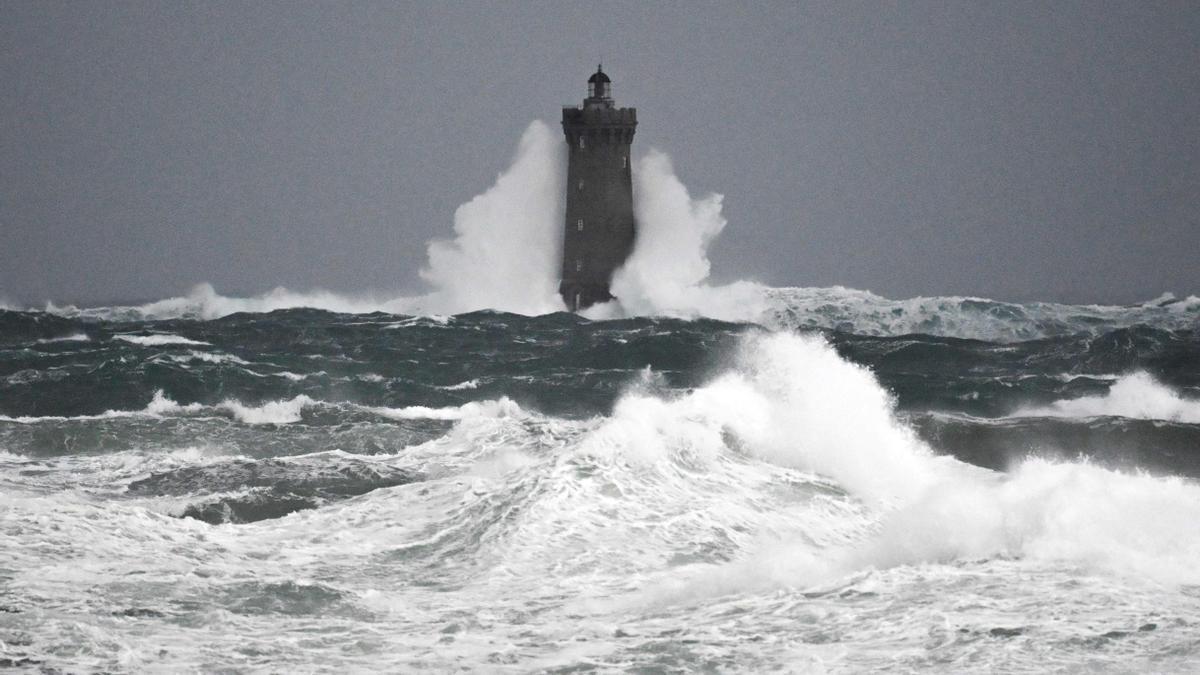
272	412
208	357
503	407
74	337
793	402
157	339
1136	396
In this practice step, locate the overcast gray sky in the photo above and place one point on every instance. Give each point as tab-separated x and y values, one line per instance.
1018	150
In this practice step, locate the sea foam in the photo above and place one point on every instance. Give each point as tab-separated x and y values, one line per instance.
273	412
73	337
792	401
158	340
1136	395
503	407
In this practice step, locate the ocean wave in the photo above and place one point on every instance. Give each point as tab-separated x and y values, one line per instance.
1136	396
793	402
158	340
772	406
160	406
284	411
205	303
865	313
834	308
73	337
296	377
207	357
31	375
272	412
502	407
106	473
1119	443
793	442
782	493
240	490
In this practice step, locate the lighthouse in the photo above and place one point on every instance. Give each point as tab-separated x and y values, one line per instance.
599	218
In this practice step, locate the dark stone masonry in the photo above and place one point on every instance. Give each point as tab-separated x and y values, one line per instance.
599	224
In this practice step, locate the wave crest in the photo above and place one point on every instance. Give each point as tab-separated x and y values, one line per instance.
793	402
1137	396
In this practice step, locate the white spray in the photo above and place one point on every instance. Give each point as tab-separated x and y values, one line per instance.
505	253
792	401
668	270
1136	396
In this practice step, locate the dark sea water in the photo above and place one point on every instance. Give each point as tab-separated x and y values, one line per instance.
851	484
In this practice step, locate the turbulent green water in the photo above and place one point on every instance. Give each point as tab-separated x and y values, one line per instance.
940	484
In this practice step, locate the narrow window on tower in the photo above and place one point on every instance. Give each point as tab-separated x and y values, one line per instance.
581	142
624	161
579	225
579	265
581	184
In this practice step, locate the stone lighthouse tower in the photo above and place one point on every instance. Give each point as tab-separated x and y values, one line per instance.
600	226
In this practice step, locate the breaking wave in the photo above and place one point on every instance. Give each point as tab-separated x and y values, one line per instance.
865	313
834	308
273	412
283	411
204	302
158	340
794	402
780	493
73	337
499	408
159	406
790	401
1136	396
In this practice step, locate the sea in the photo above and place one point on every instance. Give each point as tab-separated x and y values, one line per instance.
846	483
